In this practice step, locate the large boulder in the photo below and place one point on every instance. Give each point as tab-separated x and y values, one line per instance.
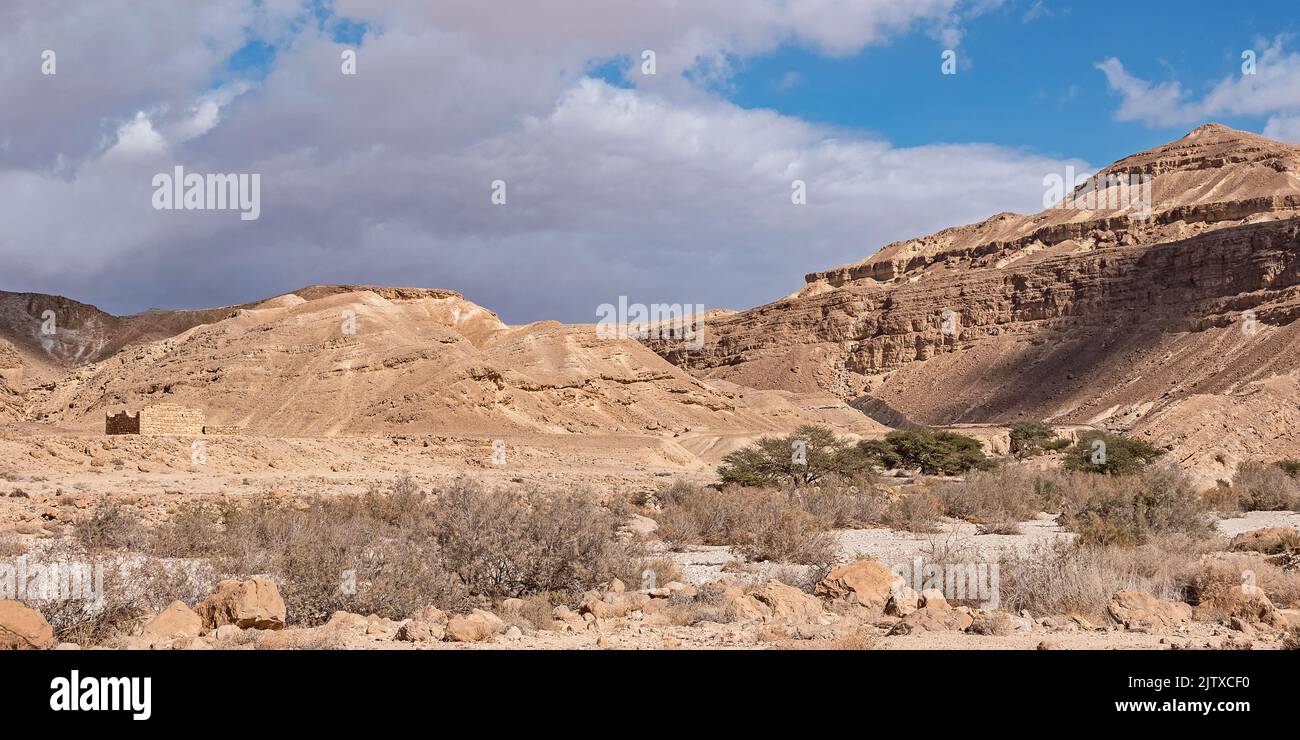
176	622
1227	588
868	583
1140	611
251	604
476	626
936	617
788	604
22	628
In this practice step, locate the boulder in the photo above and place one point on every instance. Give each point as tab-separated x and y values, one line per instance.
251	604
788	604
934	618
1138	610
868	583
1246	602
477	626
1269	540
902	601
176	621
22	628
997	624
420	630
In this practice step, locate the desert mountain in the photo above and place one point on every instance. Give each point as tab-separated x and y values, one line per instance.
343	359
1178	327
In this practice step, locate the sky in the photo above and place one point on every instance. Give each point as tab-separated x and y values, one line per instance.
520	153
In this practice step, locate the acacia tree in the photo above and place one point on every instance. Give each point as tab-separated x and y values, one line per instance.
809	455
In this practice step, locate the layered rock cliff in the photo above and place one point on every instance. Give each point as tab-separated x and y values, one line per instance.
1177	324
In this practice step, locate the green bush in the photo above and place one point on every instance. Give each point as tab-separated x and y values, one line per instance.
1030	438
809	455
933	451
1122	455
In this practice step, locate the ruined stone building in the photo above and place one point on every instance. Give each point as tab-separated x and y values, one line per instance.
163	418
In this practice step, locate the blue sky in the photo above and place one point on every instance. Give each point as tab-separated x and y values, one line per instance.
1026	74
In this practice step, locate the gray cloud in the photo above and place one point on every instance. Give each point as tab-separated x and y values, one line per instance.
662	193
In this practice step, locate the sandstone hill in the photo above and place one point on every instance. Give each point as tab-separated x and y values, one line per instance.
346	359
1178	327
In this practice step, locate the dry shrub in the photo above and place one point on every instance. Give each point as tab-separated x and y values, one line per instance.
661	570
762	524
11	545
996	497
403	548
1133	510
843	504
1065	578
707	606
110	526
917	511
1228	570
1265	487
503	543
782	534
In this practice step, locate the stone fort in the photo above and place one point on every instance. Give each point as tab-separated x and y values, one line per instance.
163	418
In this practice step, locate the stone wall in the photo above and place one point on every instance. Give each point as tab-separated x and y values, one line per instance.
164	418
170	418
224	429
123	423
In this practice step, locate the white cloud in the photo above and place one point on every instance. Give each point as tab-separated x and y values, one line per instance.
1274	91
665	192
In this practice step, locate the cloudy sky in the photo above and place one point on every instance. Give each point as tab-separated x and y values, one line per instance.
673	187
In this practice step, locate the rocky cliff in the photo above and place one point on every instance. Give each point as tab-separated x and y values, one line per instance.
1177	324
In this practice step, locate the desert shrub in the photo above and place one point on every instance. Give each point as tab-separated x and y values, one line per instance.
999	497
194	530
1030	438
839	505
932	451
811	454
709	605
780	533
1132	511
1122	455
1265	487
1227	570
917	511
1290	467
110	526
762	524
1067	578
503	543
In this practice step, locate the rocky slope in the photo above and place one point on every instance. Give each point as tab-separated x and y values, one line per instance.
342	359
1179	327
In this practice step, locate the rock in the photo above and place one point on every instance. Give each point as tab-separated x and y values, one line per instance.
67	646
869	583
933	619
1268	540
421	630
226	632
22	628
514	634
432	614
601	609
902	601
677	588
1045	645
176	621
788	604
617	586
1246	602
348	622
1141	611
251	604
933	597
992	623
514	606
478	626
